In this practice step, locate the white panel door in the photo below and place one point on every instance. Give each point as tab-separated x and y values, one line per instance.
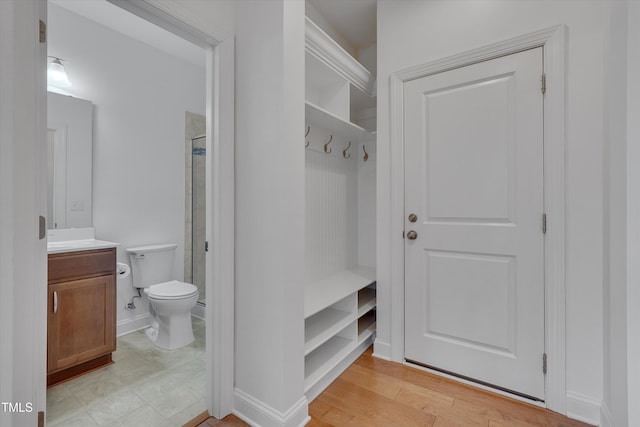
474	279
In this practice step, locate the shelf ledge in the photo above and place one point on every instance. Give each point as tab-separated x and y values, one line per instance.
325	292
320	117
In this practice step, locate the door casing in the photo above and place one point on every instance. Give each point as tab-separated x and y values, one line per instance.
553	42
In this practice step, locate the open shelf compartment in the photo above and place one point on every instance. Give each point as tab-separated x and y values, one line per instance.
326	357
328	322
366	299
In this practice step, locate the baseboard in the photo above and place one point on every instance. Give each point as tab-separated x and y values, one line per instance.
259	414
584	408
382	349
136	323
606	419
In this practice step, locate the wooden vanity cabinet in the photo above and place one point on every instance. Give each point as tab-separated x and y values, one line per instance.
81	315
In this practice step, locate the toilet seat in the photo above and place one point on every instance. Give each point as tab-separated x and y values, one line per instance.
171	290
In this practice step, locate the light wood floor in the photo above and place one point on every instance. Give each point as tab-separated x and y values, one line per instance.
374	392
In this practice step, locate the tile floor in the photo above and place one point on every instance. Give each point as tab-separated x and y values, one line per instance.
145	386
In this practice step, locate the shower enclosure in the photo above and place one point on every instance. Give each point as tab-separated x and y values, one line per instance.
198	212
195	201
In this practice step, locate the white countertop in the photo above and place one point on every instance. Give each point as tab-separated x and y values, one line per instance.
78	245
74	240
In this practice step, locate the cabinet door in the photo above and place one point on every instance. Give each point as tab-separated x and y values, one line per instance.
81	319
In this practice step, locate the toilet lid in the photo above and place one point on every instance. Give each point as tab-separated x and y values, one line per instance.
171	290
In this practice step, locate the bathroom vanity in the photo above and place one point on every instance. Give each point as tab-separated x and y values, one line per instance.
81	317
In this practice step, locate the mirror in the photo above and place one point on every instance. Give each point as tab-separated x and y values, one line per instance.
70	147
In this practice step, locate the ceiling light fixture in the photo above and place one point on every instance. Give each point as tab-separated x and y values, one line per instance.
56	75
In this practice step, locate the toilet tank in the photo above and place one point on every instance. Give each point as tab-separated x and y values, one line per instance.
151	264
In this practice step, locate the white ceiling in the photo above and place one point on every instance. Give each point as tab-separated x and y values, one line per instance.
117	19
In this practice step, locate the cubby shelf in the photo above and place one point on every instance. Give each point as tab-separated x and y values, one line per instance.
339	310
366	300
324	358
366	325
324	325
339	319
323	293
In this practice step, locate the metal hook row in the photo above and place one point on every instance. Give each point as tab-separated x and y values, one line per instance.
327	149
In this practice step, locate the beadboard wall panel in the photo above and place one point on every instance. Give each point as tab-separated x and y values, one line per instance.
331	240
366	204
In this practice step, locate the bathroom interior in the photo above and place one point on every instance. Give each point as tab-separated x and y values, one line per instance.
127	150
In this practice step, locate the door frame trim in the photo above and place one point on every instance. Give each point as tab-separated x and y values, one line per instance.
553	41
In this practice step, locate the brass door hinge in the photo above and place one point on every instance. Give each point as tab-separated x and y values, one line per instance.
42	227
544	223
544	84
43	31
544	363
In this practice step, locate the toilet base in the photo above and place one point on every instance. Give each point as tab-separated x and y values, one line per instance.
172	332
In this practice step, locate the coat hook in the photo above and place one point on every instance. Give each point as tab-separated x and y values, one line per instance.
366	155
305	135
344	152
326	146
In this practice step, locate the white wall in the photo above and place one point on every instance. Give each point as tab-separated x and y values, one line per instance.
633	213
614	410
270	159
140	96
412	33
622	220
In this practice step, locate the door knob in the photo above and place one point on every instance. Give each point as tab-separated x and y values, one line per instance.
412	235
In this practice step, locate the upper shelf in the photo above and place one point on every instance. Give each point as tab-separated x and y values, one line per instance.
323	118
324	48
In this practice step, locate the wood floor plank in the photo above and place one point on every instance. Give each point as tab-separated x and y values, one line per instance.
228	421
444	412
377	393
330	414
350	394
382	385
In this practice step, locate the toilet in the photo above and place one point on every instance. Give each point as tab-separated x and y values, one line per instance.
170	301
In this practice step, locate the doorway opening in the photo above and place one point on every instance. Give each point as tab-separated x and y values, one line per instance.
136	173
